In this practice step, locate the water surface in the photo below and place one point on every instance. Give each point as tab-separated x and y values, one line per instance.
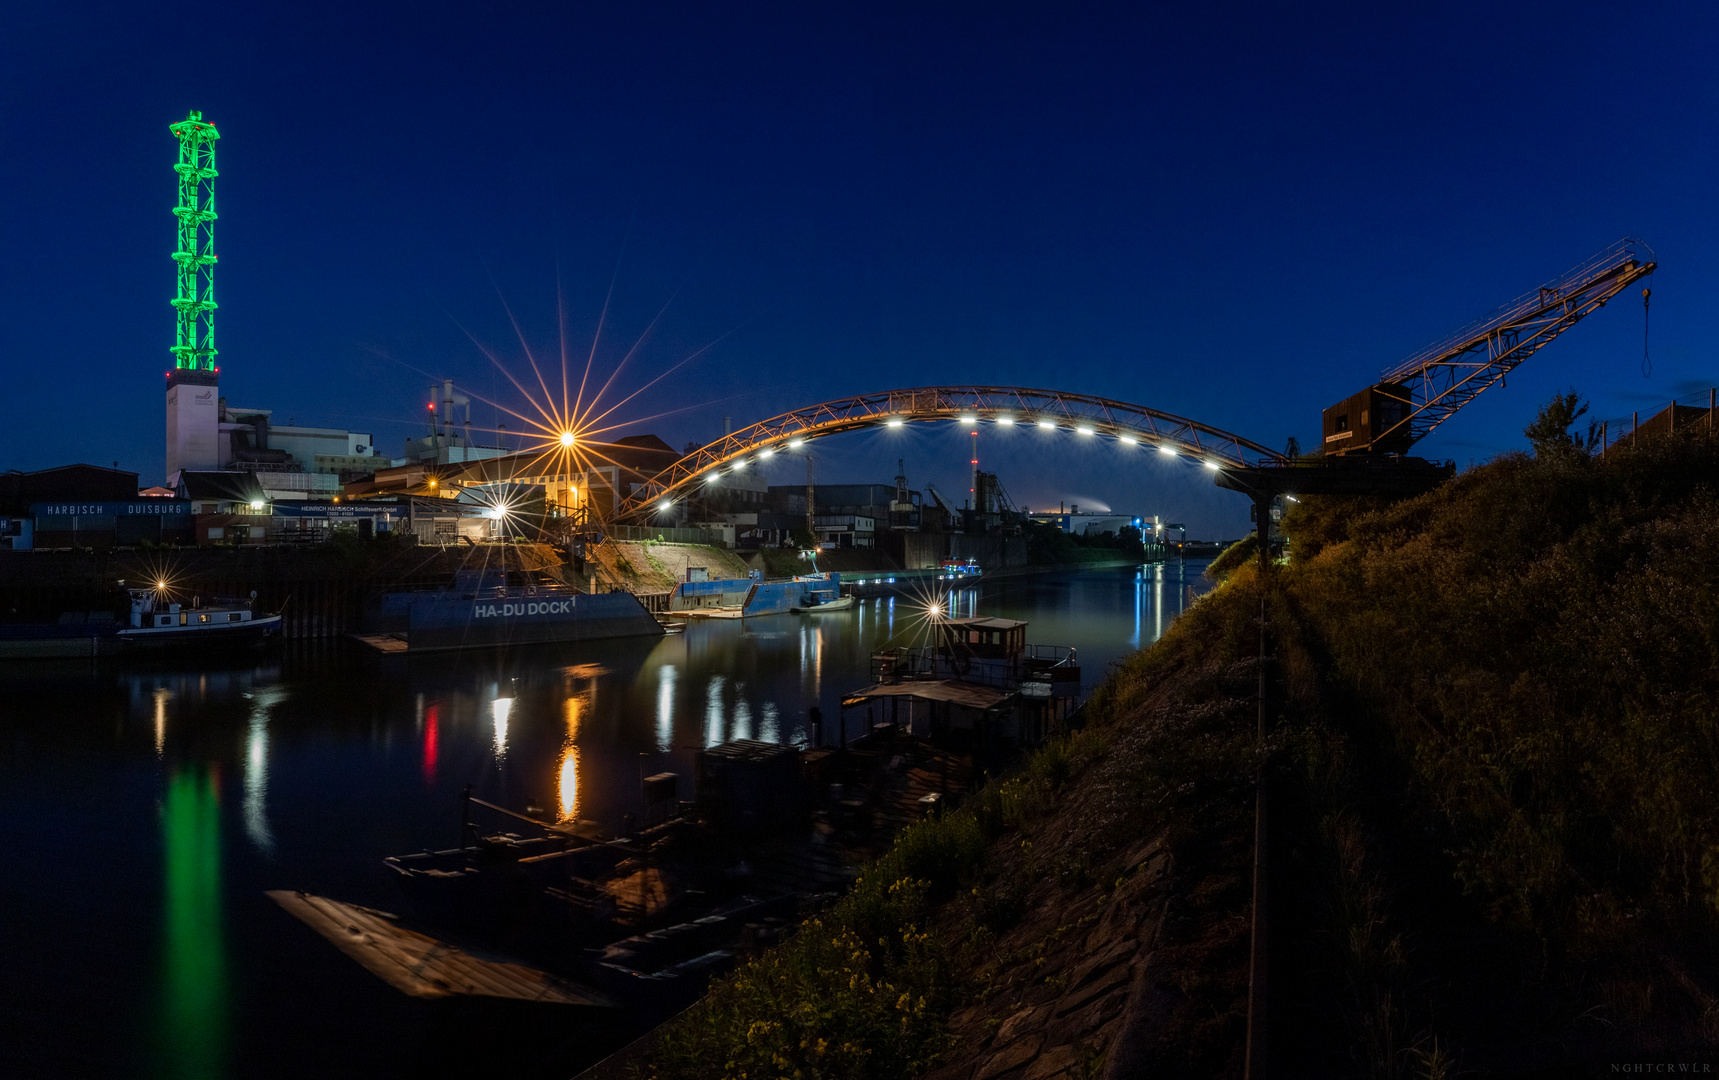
149	809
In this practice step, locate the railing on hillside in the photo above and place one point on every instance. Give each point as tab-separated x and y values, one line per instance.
634	534
1692	410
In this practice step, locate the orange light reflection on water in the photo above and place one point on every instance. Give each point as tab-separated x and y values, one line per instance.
569	781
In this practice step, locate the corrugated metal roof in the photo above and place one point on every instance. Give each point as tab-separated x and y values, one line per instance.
972	695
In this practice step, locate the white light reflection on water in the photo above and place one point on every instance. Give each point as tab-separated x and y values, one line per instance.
742	714
768	729
255	805
665	707
162	696
501	706
1158	601
713	711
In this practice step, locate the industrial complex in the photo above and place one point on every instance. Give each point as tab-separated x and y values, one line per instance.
236	475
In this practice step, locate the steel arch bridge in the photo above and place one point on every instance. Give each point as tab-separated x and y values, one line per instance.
1079	414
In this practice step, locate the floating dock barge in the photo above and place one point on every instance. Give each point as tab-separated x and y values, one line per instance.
487	608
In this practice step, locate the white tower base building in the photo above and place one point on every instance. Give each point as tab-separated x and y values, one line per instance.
193	423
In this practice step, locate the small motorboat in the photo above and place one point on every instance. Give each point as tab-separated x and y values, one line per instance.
819	608
157	622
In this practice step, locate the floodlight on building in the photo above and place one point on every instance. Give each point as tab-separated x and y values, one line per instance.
1170	450
256	504
893	422
1048	425
768	451
1129	439
567	438
1212	465
966	419
664	506
1084	430
795	444
1005	420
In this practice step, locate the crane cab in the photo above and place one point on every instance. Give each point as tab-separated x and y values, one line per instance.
1363	423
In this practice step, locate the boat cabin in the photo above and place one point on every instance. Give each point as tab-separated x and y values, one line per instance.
151	609
985	639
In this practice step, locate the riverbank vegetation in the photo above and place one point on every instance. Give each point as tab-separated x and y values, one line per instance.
1494	765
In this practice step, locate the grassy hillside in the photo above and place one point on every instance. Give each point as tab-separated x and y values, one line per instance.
1494	755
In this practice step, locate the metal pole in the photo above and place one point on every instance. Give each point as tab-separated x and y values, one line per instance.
1255	1067
810	502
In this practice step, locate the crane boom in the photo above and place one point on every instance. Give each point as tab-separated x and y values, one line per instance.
1424	390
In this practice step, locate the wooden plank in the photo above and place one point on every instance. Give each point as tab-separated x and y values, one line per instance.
386	643
421	966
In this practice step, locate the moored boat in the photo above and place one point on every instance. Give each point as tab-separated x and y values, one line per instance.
158	622
820	607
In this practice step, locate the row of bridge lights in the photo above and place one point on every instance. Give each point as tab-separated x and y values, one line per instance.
896	421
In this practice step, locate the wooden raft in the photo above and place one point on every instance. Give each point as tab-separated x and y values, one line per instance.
419	964
383	643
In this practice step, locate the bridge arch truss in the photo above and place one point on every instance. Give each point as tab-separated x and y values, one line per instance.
1081	415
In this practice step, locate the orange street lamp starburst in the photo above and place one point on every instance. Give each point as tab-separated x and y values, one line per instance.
564	431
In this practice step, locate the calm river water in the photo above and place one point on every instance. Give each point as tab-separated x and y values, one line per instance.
149	809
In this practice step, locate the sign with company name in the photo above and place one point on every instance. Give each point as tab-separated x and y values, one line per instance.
138	508
512	609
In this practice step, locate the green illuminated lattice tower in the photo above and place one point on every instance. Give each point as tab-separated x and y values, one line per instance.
194	348
193	383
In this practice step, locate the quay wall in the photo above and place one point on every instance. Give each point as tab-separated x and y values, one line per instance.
320	591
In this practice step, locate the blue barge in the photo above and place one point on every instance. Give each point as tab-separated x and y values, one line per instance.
484	609
744	598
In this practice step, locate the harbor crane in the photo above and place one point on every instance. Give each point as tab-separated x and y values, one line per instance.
1423	391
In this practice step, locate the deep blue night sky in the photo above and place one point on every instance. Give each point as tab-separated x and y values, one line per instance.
1237	215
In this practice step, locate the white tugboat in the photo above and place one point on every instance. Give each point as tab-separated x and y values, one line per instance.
158	622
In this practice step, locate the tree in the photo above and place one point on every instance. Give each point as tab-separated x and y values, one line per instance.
1549	434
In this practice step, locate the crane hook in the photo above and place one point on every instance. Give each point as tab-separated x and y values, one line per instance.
1646	362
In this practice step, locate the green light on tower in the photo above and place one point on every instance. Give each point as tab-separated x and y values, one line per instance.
194	349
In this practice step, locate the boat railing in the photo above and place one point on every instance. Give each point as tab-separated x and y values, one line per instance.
1054	654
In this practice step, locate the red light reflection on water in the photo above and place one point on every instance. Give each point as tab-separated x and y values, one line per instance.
430	715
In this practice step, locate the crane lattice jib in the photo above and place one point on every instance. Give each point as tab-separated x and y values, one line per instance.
1077	414
1447	374
194	344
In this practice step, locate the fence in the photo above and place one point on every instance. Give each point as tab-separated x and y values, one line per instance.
1694	409
639	533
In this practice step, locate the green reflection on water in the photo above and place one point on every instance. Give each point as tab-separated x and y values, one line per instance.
193	1034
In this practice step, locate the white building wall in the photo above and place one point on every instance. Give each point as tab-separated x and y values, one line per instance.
193	428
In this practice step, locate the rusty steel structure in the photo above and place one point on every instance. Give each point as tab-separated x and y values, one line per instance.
1419	394
1081	415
